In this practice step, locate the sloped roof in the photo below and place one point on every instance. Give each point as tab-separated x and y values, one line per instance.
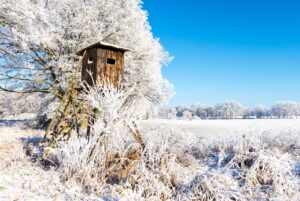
103	45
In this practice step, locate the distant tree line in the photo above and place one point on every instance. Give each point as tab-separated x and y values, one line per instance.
15	104
233	110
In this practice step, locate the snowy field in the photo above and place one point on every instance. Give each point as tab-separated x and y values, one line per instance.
215	128
213	161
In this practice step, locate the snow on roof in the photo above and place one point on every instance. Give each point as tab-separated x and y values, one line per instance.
103	45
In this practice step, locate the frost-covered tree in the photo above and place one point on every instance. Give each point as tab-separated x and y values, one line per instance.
187	115
285	109
228	110
167	113
172	114
39	38
181	109
261	111
233	109
201	111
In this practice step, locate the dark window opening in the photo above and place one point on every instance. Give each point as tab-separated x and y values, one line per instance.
90	60
111	61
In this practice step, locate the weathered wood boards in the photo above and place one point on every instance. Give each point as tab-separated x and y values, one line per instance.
103	63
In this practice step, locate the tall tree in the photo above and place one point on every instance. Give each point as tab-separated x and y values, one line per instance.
39	38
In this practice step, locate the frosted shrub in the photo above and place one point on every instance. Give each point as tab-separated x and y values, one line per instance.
250	167
162	166
273	171
89	159
111	162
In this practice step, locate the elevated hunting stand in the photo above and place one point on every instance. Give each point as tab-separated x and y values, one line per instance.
104	62
100	62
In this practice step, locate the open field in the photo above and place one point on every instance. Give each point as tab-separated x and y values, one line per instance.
214	128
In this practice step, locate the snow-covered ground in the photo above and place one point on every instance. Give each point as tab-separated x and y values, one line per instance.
211	158
21	177
215	128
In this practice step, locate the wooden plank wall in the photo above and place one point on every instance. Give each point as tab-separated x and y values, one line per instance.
86	67
110	73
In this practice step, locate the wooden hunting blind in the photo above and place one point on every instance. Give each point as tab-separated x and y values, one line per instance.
102	62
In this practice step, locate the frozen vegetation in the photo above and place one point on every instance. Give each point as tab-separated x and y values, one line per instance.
177	162
204	160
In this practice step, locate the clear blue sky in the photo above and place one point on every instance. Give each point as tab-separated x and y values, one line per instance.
245	50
